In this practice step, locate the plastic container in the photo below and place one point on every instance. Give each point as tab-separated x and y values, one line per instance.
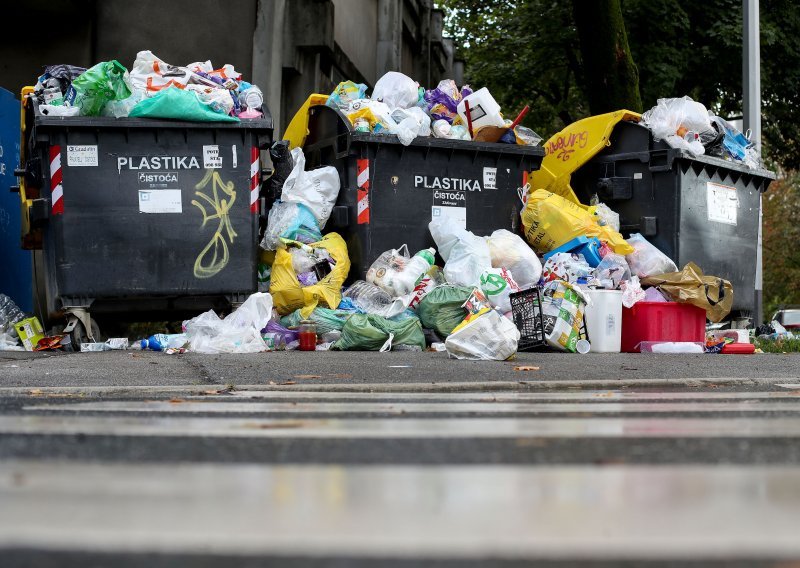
483	109
692	208
526	311
142	215
738	349
390	192
589	247
604	320
162	341
413	272
672	347
661	322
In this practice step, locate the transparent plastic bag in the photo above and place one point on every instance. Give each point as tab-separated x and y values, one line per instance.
646	260
386	268
122	108
612	271
292	221
240	332
373	300
681	122
607	216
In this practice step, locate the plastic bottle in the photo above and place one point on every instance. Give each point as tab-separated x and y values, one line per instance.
414	271
161	341
251	98
9	313
373	299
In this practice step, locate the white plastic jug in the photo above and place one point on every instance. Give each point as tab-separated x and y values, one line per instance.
483	109
604	320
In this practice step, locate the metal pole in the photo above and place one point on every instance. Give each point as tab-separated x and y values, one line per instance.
751	103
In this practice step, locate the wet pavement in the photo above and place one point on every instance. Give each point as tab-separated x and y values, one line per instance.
475	470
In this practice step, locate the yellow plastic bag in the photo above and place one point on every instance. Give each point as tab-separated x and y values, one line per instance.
297	130
568	150
550	221
287	293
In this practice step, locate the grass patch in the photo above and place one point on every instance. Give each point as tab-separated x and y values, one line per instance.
778	345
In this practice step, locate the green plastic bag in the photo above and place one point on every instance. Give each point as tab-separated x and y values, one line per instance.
370	332
180	105
92	89
327	320
441	309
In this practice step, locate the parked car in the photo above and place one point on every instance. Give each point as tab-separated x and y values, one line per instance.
788	317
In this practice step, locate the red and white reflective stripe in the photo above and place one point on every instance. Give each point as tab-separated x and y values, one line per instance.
255	167
56	185
362	166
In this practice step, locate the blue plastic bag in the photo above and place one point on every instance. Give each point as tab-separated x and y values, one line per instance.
179	105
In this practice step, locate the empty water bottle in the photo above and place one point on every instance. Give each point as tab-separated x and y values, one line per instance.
9	313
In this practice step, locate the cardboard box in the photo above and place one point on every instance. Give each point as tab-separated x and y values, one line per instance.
30	332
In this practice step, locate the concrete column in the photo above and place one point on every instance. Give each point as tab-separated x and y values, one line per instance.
390	36
268	45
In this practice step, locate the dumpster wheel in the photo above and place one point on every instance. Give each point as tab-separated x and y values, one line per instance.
77	331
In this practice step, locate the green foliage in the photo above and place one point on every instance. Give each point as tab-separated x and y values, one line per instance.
527	52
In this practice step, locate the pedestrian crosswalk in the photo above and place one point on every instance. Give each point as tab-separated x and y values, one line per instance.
254	475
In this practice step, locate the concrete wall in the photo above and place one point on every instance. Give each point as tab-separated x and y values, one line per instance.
355	30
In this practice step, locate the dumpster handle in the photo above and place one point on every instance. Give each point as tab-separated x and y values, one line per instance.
661	160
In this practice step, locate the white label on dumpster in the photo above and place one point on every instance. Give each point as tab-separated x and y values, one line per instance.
722	202
83	155
455	216
160	201
211	157
489	178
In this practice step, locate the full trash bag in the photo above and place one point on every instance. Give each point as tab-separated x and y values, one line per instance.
396	90
497	284
646	260
371	332
466	256
344	93
327	320
550	221
691	286
508	250
486	336
289	295
106	81
442	309
316	189
240	332
178	104
681	123
293	221
563	306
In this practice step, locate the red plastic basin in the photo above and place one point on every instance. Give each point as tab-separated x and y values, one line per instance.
661	321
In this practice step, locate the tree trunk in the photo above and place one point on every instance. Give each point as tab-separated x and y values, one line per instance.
611	77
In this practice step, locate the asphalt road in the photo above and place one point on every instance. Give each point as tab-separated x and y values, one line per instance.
398	459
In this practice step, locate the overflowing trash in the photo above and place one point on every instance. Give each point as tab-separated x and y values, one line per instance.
151	89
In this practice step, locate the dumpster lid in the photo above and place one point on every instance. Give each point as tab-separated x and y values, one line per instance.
722	163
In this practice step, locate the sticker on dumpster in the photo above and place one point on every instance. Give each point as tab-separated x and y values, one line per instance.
489	178
81	155
722	202
211	157
160	201
455	216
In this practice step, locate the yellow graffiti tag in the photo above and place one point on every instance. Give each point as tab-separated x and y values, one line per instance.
214	257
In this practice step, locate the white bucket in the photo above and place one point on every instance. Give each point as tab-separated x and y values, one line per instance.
484	110
604	320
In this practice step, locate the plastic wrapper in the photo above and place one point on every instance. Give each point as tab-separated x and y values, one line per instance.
376	113
240	332
90	91
484	336
526	137
568	267
344	93
278	337
646	260
563	307
370	332
466	255
691	286
293	221
289	295
550	221
508	250
442	102
632	292
612	271
316	189
607	216
410	123
443	129
682	123
442	309
498	284
219	100
653	295
734	145
122	108
396	90
179	105
151	74
373	300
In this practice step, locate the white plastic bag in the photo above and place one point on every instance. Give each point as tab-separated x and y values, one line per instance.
396	90
240	332
682	123
443	129
498	284
316	189
411	123
646	260
488	336
510	251
386	268
466	255
151	74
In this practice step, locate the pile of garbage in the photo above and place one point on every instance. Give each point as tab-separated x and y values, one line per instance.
399	106
688	125
151	89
